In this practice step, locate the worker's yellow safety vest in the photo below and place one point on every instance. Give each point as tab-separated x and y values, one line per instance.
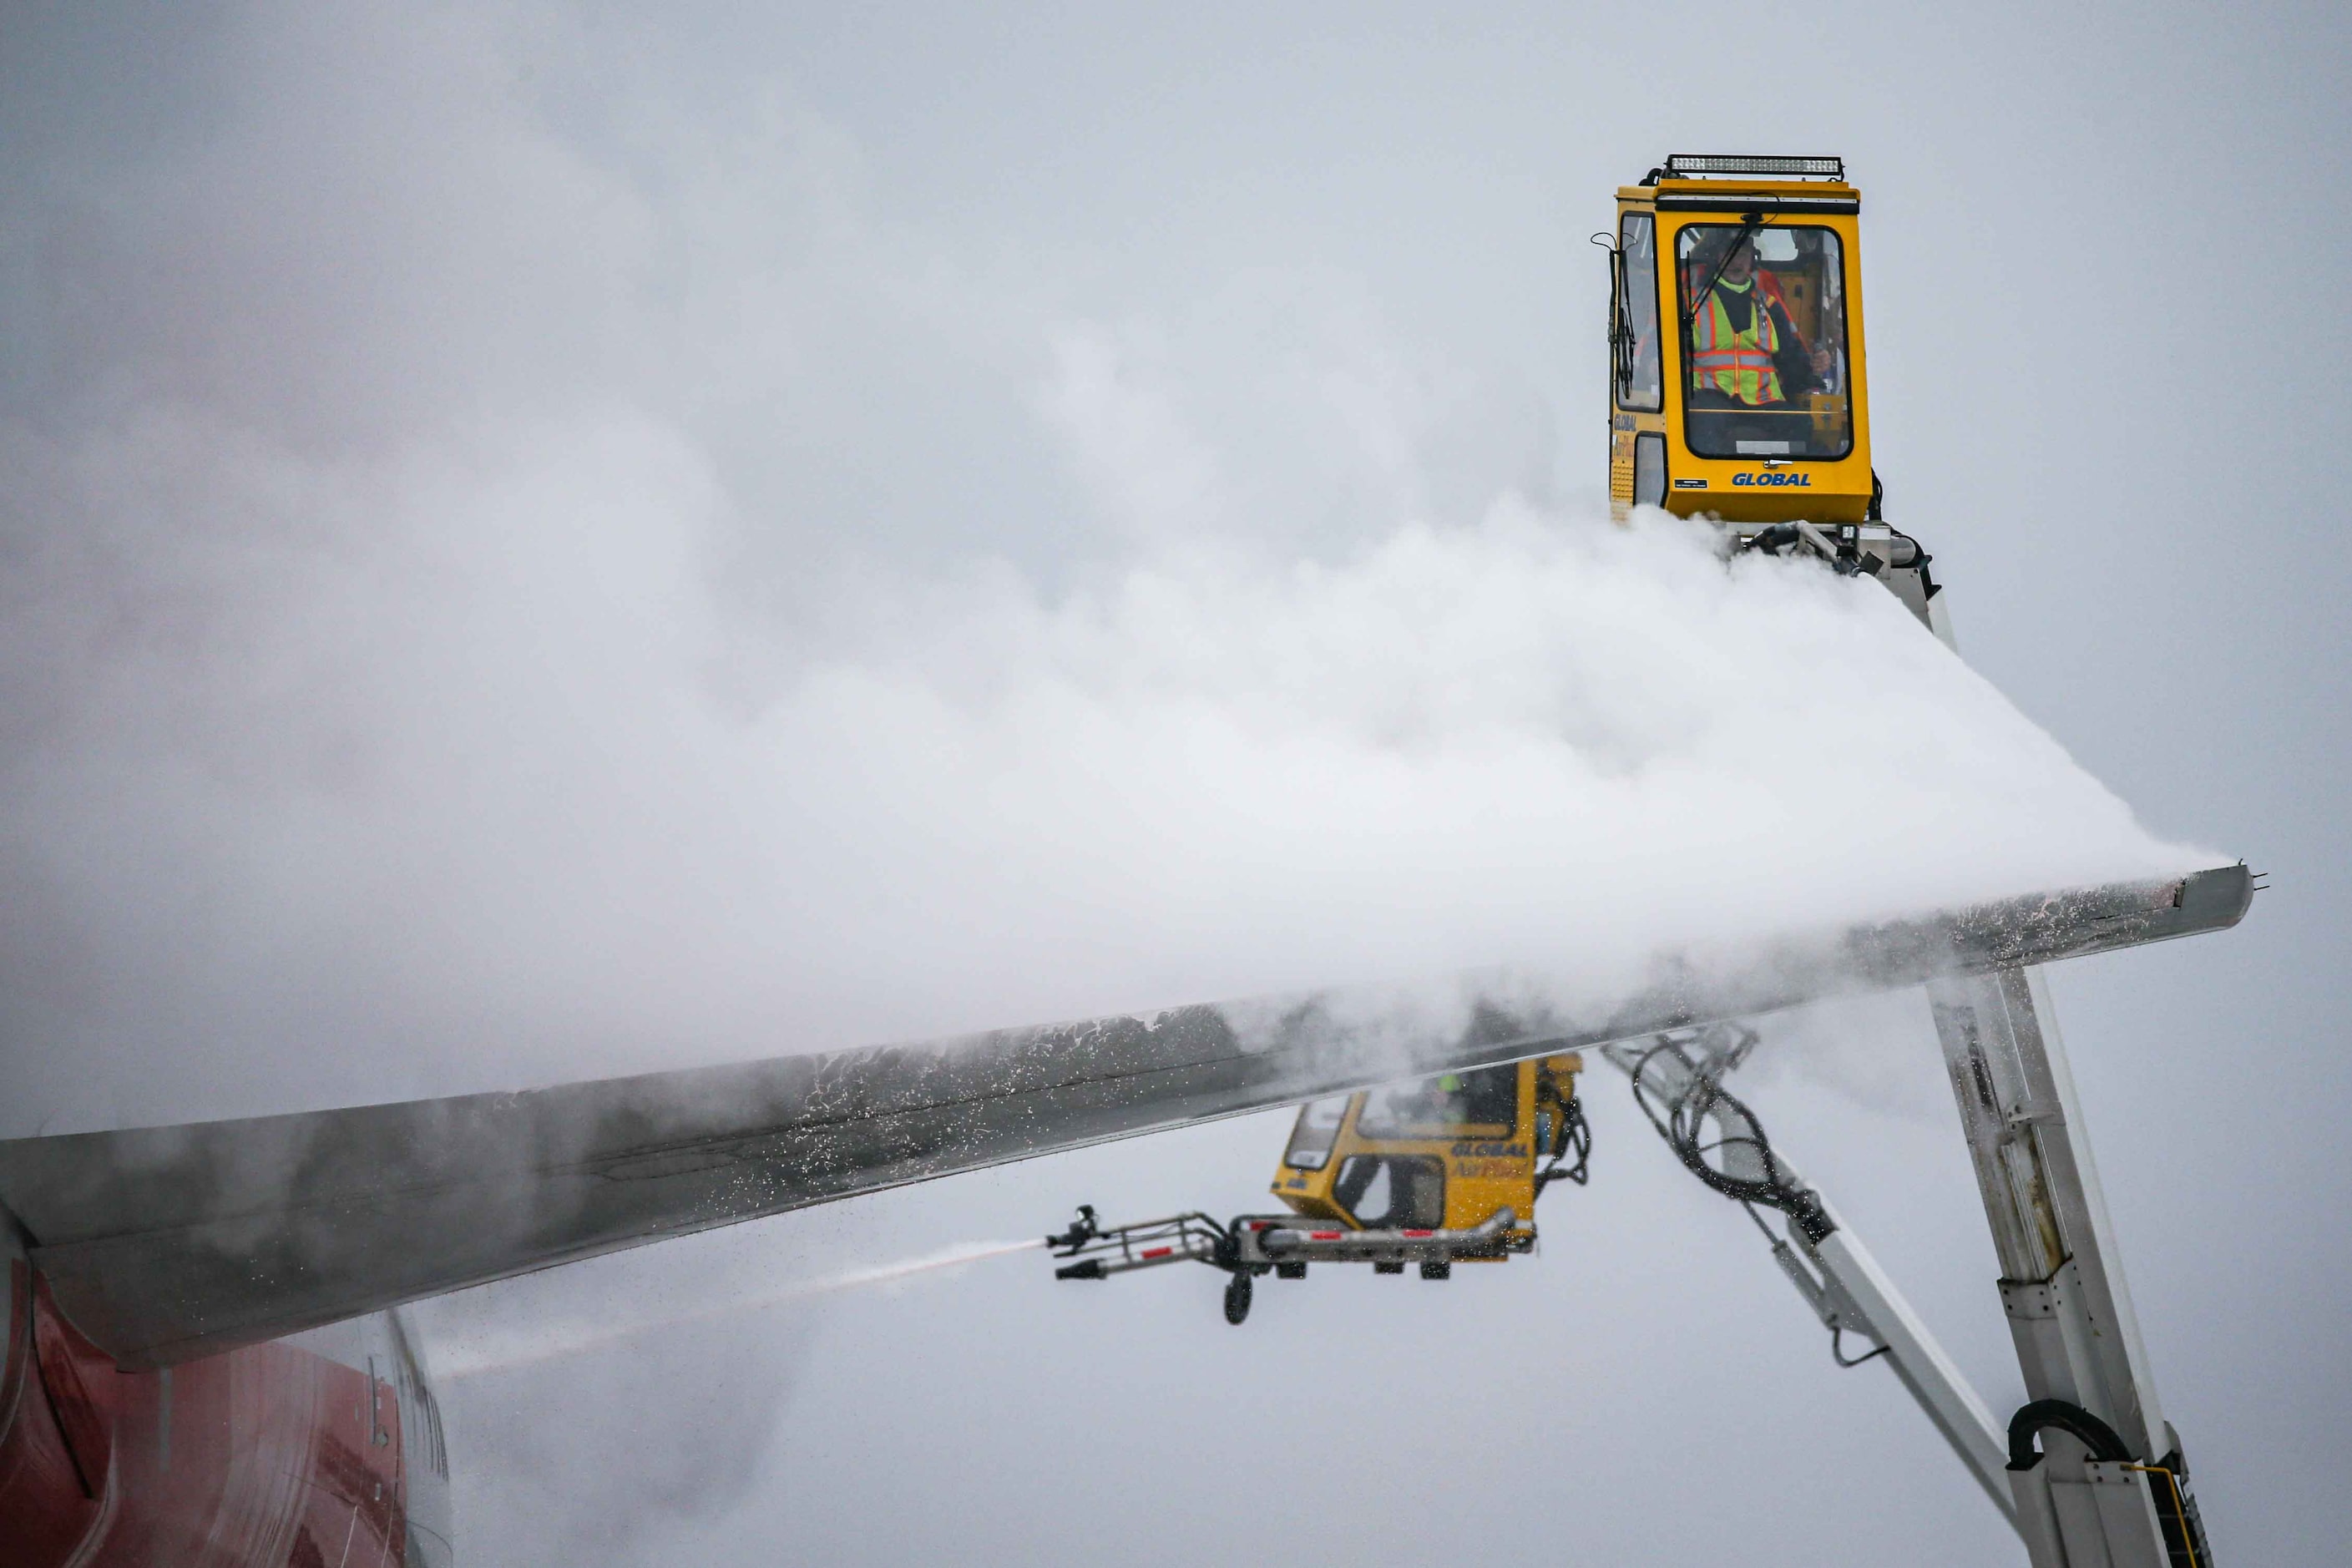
1737	364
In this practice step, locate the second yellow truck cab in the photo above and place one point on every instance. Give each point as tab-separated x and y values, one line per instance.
1435	1170
1447	1152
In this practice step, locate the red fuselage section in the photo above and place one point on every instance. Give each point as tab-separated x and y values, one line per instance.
268	1457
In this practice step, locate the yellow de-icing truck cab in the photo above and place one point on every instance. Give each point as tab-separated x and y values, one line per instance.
1435	1170
1439	1153
1739	378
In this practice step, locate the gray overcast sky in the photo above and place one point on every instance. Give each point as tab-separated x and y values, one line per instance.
856	285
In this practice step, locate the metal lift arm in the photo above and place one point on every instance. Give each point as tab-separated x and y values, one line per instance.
2108	1485
1259	1243
1281	1245
1856	1285
1677	1077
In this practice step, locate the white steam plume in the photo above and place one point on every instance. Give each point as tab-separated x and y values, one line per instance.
506	592
485	789
517	1347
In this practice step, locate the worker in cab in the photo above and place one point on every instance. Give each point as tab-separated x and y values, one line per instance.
1745	353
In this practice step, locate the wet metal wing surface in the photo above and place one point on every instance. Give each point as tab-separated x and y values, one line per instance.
166	1244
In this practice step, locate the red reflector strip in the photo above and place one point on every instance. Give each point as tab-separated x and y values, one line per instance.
1323	1234
1157	1251
1418	1234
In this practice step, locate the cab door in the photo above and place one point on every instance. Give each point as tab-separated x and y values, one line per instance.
1765	416
1637	446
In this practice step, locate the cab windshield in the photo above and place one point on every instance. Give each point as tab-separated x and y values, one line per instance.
1443	1107
1763	338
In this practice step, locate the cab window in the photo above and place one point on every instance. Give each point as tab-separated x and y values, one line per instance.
1317	1129
1392	1191
1639	382
1446	1106
1763	341
1638	361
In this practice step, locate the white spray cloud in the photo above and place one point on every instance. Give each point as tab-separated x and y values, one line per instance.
553	586
483	784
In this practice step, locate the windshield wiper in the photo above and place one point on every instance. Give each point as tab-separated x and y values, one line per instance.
1748	223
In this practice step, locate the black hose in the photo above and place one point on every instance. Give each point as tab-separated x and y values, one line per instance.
2086	1428
1577	1134
1679	1124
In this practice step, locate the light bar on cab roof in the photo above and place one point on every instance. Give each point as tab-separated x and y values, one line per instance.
1688	165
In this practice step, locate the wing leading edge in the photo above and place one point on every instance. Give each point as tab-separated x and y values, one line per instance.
166	1244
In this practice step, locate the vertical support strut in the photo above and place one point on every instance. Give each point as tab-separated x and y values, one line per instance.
2080	1504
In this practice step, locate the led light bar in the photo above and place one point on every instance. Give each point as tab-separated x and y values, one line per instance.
1688	165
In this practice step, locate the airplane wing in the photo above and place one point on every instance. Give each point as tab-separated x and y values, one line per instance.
162	1245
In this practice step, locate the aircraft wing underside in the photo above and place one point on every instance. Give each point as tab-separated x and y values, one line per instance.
166	1244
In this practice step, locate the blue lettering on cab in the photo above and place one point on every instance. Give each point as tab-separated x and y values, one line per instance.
1803	480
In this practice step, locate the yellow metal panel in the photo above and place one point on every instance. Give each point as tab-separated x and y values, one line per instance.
1731	190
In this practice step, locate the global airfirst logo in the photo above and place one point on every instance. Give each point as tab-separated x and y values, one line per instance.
1803	481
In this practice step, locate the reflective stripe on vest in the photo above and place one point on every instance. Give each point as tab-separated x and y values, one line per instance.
1737	363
